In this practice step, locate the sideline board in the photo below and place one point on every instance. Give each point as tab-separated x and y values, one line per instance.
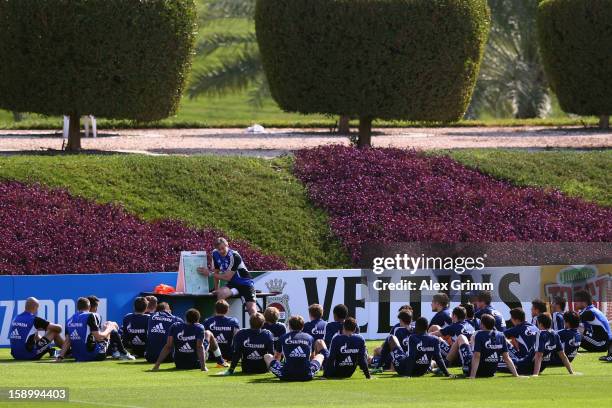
189	280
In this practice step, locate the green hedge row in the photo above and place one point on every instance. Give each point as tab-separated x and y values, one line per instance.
124	59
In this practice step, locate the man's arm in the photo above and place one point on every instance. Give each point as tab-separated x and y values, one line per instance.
441	365
537	363
363	364
64	349
164	353
565	361
475	364
200	351
510	363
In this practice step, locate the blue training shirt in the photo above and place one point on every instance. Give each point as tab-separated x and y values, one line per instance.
296	348
223	328
250	346
316	328
22	331
345	354
277	330
500	323
134	330
595	323
456	329
185	338
525	335
441	318
232	261
158	329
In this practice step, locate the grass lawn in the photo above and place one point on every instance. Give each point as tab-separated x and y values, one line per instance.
130	384
255	199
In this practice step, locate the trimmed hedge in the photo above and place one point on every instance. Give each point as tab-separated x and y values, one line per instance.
388	59
124	59
576	45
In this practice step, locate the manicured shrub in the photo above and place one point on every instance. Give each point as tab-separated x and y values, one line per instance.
45	231
123	59
392	195
388	59
576	45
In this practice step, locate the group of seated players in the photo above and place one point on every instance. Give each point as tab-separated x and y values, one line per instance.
472	336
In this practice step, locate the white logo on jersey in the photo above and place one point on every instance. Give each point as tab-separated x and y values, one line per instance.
345	350
221	339
315	331
137	342
186	348
134	331
348	361
423	360
181	336
158	328
298	352
75	335
254	356
420	347
15	335
247	344
493	358
490	346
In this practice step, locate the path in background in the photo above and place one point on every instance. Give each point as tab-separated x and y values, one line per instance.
279	141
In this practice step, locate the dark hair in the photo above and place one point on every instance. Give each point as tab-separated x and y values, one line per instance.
350	324
162	307
151	299
341	311
405	316
539	305
221	307
93	300
572	318
83	303
192	316
256	321
518	314
558	300
441	298
271	314
140	304
545	320
469	310
315	310
296	323
484	297
405	307
459	312
421	324
487	321
583	296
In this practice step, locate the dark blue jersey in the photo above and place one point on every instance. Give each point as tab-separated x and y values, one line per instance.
157	333
500	323
250	346
296	348
134	330
491	345
456	329
316	328
441	318
223	328
525	335
570	340
421	350
185	338
557	321
345	354
23	335
402	334
331	329
595	324
277	330
79	329
475	323
232	261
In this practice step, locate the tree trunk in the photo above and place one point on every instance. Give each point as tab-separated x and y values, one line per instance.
604	122
344	127
74	134
365	132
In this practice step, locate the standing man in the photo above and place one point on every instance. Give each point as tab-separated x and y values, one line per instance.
229	267
26	344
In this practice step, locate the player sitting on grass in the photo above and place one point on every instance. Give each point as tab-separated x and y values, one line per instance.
151	304
271	315
250	346
190	342
422	349
448	335
483	303
469	315
596	335
522	334
340	313
134	328
316	326
546	343
26	344
223	328
538	306
296	347
489	349
558	308
382	355
115	348
348	350
157	332
570	338
439	304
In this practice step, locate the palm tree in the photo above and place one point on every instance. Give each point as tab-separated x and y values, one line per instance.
512	80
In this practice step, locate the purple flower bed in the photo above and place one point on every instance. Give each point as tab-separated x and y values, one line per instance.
391	195
48	231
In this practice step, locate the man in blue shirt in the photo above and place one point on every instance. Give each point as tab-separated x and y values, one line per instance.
448	335
250	346
26	343
296	347
157	332
223	328
538	306
483	303
442	318
134	328
271	315
348	350
522	334
316	326
382	355
469	316
558	308
570	338
596	335
340	313
229	267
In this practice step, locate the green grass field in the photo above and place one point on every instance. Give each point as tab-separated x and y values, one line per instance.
131	384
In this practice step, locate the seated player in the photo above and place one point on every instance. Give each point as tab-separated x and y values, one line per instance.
558	309
115	348
86	340
382	355
449	334
483	303
157	332
296	347
596	333
522	334
26	343
489	349
348	350
271	315
190	342
134	328
423	348
547	342
250	346
316	326
570	338
151	304
223	328
439	304
469	315
340	313
538	306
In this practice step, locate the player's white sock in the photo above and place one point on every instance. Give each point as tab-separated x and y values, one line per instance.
217	353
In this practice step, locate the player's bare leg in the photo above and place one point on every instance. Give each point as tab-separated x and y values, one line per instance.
223	293
434	328
251	308
268	358
213	347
